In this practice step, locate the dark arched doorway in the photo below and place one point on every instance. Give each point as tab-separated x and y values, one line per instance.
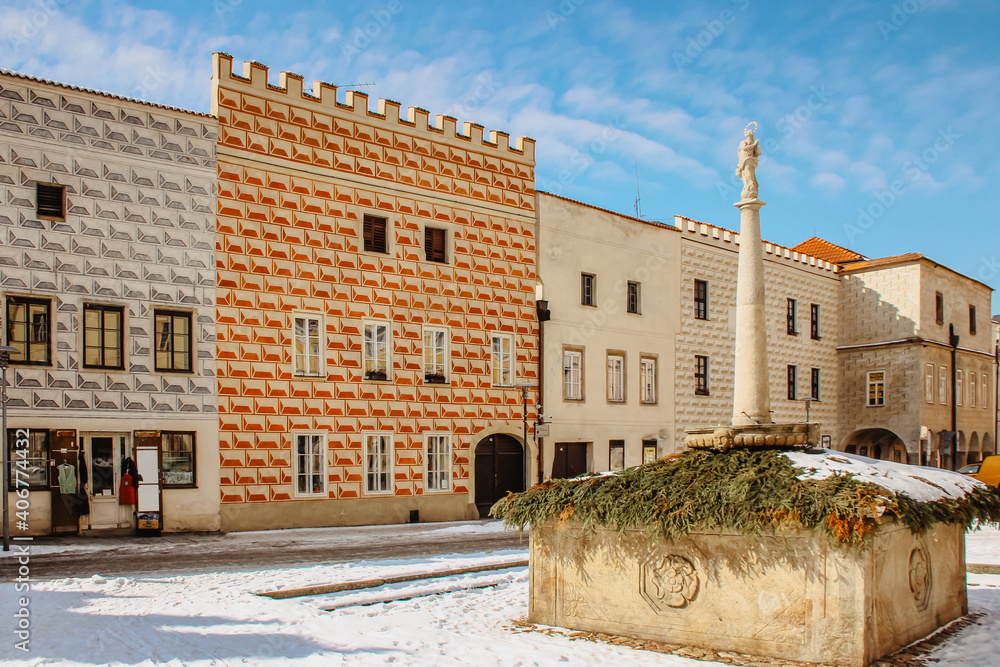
499	469
876	443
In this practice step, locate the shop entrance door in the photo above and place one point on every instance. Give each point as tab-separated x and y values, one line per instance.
104	452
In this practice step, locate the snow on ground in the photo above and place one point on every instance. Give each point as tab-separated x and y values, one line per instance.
918	482
216	619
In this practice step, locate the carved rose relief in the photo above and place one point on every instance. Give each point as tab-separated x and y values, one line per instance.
920	576
668	581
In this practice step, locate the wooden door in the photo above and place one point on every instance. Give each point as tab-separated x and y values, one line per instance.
499	469
570	460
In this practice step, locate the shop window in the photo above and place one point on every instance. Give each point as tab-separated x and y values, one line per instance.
177	454
28	456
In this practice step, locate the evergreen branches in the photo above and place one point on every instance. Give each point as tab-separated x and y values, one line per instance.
749	491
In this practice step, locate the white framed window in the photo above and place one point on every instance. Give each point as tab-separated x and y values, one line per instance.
647	380
985	391
307	350
377	354
310	464
929	383
959	394
572	375
876	389
436	355
437	474
942	386
502	360
973	388
616	378
378	463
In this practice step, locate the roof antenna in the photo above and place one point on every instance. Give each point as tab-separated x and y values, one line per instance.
353	85
638	200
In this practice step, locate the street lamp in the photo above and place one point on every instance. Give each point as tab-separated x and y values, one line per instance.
5	351
524	387
808	400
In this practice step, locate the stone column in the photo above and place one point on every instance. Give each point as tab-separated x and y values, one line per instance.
751	401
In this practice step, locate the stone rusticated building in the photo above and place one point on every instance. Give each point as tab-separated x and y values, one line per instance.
107	217
802	313
375	307
895	355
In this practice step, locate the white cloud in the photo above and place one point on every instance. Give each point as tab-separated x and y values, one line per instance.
828	181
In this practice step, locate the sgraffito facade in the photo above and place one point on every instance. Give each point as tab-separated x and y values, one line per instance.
107	216
376	281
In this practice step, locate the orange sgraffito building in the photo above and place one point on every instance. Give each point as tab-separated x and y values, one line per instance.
376	281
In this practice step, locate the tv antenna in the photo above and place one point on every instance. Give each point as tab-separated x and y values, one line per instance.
638	200
354	85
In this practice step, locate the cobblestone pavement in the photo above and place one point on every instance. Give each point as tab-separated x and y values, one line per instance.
914	655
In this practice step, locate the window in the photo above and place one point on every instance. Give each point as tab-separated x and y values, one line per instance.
435	248
572	375
28	331
310	464
792	372
376	352
616	455
616	378
306	351
973	387
814	384
985	391
50	201
633	297
929	383
814	321
648	451
503	360
876	389
700	375
173	341
790	318
435	356
177	454
972	320
378	463
959	395
28	454
438	475
939	307
942	385
701	299
103	336
588	295
375	235
647	380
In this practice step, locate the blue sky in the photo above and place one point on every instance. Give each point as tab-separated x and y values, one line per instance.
879	120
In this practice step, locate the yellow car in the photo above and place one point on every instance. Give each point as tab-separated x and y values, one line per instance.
986	471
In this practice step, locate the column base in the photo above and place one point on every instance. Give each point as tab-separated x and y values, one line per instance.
755	436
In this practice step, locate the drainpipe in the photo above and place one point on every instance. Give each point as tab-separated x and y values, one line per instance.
953	340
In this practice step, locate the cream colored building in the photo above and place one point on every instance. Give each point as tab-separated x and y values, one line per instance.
607	362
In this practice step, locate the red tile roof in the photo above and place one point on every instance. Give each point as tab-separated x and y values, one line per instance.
826	251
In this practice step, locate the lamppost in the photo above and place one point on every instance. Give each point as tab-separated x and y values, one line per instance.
5	351
808	400
524	387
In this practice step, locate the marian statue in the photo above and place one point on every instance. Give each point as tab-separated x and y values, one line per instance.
747	167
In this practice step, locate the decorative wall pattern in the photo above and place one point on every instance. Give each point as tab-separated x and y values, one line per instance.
297	175
138	233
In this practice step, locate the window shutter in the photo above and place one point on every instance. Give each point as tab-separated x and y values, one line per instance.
434	244
50	200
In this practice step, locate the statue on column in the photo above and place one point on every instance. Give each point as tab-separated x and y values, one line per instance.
747	167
